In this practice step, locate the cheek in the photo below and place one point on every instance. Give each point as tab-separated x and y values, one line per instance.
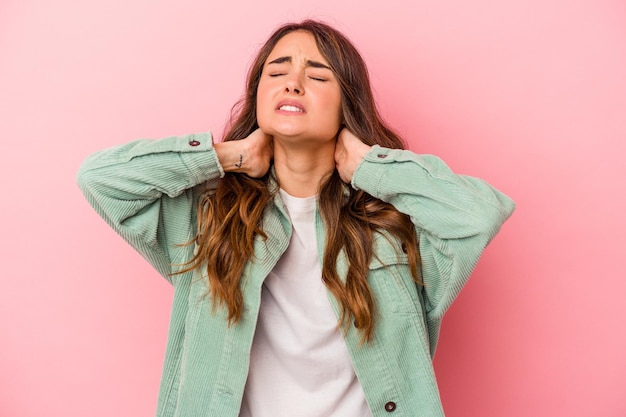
333	106
261	104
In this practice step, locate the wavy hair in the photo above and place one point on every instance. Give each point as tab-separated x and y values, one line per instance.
230	215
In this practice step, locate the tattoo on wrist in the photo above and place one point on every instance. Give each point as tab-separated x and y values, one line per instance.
240	161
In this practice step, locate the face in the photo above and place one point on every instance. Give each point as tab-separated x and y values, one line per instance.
298	97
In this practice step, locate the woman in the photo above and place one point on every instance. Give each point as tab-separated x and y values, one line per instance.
312	258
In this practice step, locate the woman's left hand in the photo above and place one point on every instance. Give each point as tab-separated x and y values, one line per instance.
349	152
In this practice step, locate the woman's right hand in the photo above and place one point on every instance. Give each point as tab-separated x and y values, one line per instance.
250	156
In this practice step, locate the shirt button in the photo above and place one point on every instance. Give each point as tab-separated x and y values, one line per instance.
194	143
381	155
390	406
404	248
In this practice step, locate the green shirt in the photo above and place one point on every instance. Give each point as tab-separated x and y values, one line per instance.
146	190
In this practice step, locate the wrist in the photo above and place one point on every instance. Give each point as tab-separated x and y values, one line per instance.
230	155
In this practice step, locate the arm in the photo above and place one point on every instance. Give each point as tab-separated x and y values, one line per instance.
146	190
455	216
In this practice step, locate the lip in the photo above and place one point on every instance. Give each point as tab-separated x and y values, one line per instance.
293	103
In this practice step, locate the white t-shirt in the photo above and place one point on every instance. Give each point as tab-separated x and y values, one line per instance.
300	366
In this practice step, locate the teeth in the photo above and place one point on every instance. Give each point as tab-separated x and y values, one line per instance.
290	108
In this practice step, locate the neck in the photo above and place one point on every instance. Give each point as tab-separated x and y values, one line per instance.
301	169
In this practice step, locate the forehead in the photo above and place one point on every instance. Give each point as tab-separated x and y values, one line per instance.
299	45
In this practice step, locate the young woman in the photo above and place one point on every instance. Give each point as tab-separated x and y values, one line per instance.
312	258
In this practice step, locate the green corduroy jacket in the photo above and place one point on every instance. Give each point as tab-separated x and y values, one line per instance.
147	190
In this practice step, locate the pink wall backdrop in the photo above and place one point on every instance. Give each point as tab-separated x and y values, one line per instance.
529	94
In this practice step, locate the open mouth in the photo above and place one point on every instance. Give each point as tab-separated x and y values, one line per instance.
290	106
287	107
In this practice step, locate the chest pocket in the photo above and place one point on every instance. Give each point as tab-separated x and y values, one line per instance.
391	280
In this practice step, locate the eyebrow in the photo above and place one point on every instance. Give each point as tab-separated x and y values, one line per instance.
308	63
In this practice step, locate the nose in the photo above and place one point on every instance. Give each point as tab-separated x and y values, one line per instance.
293	84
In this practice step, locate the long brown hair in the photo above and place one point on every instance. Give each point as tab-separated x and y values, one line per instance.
230	216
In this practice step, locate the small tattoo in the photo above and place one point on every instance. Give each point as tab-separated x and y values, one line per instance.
240	161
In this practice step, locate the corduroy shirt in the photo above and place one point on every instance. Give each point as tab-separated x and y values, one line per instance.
147	191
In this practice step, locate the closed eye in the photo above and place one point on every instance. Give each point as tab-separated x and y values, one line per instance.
318	79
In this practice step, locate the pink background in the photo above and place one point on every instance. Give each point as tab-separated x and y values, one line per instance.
528	94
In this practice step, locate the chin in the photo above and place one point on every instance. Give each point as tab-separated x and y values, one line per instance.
283	131
296	131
